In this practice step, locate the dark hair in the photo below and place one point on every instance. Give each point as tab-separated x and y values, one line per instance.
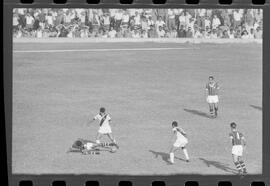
174	124
233	125
102	110
211	77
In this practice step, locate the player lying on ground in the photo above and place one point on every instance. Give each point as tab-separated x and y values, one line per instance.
104	126
87	147
212	96
238	142
181	141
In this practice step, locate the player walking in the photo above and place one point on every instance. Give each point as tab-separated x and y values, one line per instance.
238	141
212	96
105	128
181	141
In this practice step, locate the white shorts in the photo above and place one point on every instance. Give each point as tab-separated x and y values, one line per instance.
88	146
105	129
212	99
180	142
237	150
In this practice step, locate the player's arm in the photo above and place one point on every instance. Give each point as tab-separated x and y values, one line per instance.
206	90
244	142
92	120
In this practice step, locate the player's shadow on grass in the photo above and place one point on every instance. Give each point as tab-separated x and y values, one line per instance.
219	165
165	156
197	112
256	107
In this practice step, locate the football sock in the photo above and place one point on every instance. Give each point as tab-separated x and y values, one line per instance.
238	166
105	144
242	164
172	157
186	153
93	152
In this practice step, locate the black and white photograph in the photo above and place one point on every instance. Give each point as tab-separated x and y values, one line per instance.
137	91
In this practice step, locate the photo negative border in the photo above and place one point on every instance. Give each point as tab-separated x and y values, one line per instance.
114	180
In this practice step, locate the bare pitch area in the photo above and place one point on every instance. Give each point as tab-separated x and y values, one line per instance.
54	93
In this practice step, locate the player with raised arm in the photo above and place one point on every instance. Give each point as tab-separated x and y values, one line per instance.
181	141
212	88
104	126
238	142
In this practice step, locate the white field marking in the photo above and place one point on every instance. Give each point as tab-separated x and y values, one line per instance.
101	50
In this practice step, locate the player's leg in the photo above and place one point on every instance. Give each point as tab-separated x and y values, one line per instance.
211	108
172	150
236	163
216	108
98	137
242	164
185	153
216	105
110	135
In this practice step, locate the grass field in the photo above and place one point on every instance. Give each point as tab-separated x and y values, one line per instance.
56	92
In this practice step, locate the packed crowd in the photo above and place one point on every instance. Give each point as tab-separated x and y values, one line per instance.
138	23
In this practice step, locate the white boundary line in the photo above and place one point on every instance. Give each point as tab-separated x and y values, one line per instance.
101	50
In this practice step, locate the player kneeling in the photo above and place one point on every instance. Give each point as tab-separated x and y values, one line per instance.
181	141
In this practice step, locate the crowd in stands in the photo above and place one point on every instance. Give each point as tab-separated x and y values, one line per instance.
138	23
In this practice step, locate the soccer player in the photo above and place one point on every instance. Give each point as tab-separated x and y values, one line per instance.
87	147
105	128
212	88
181	141
238	142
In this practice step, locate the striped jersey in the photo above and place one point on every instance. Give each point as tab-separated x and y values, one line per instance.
212	88
236	138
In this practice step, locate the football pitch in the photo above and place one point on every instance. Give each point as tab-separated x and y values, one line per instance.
58	87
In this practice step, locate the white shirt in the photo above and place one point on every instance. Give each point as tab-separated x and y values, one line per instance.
179	133
49	20
216	22
112	34
171	14
29	20
118	16
105	122
237	16
137	20
125	18
160	23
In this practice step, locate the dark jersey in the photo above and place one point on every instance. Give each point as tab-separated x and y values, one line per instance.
236	138
212	88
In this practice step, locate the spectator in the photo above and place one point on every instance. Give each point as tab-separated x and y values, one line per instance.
231	34
258	33
171	20
189	33
112	33
29	21
160	23
174	23
152	32
237	18
245	35
118	19
160	32
137	21
225	34
181	31
216	22
251	34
